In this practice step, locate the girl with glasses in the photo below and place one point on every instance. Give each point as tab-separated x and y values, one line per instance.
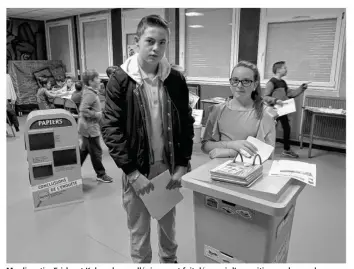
229	124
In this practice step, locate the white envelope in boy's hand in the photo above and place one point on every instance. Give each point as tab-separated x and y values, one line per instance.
160	201
287	107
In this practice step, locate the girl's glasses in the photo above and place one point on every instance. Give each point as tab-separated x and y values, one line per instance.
235	81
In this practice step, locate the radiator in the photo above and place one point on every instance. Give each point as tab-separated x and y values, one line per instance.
331	129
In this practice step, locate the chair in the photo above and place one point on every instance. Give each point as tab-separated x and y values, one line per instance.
42	106
59	102
70	106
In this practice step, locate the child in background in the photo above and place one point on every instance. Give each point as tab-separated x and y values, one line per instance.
77	94
89	128
276	92
110	70
69	85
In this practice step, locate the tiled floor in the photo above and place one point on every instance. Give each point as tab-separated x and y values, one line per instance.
95	231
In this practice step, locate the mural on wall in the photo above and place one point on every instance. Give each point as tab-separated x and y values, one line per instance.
25	40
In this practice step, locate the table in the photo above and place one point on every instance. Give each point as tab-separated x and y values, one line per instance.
319	112
66	96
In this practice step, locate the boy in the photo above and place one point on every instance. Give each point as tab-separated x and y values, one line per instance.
148	127
69	85
89	129
277	91
110	70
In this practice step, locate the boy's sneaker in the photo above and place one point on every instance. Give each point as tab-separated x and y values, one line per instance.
289	153
105	178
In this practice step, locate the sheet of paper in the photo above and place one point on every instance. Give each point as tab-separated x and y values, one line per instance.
264	150
198	116
287	107
304	172
193	99
160	201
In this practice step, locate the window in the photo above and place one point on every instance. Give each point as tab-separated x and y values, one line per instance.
96	43
209	43
311	44
60	44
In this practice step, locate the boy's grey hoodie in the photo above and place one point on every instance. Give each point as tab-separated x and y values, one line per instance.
89	126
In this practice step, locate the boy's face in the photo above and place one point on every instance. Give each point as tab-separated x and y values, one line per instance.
95	83
69	83
152	45
283	70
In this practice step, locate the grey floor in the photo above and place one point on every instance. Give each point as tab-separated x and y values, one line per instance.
95	230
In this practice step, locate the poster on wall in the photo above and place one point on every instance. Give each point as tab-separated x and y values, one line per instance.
131	46
132	49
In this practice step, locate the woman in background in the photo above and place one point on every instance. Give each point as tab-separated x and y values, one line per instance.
229	124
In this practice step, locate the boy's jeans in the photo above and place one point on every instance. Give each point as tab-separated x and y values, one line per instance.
139	224
284	120
92	146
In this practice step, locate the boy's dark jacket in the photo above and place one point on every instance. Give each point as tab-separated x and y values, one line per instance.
124	123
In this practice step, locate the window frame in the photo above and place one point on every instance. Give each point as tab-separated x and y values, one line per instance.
92	18
331	87
65	22
234	50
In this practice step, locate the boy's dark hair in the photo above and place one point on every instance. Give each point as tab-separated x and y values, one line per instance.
78	86
110	70
88	75
151	20
278	65
66	78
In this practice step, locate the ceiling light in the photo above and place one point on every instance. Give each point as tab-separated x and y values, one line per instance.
194	14
196	26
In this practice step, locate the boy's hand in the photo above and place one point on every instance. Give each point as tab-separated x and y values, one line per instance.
142	185
279	102
88	113
175	181
305	85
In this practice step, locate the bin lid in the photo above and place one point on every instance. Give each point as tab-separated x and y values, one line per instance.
270	194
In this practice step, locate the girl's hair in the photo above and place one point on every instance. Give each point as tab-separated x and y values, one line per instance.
256	94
